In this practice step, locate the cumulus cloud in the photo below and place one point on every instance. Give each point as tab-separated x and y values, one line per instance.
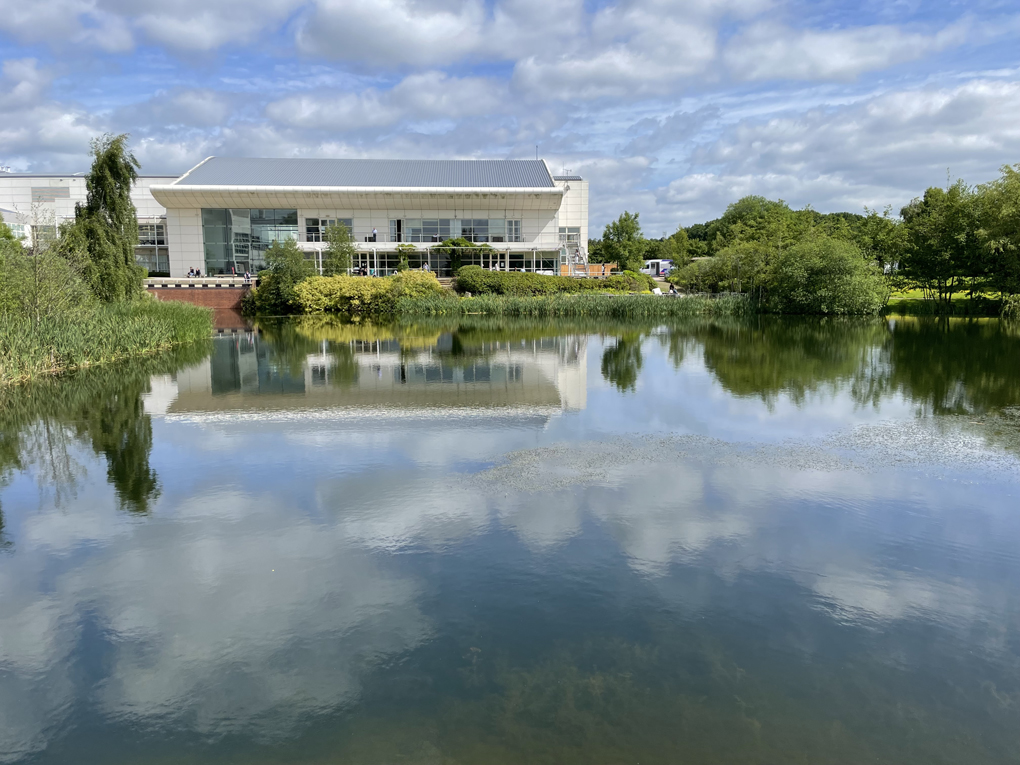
661	102
427	95
393	32
770	51
884	149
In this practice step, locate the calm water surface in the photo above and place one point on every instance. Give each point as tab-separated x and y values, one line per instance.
716	542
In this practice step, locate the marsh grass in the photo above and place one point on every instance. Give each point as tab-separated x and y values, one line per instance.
95	335
575	306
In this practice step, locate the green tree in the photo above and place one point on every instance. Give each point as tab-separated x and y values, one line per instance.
622	242
338	256
825	275
101	239
942	243
286	265
879	237
1000	229
6	235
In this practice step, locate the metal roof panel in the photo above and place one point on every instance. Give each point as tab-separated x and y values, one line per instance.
371	173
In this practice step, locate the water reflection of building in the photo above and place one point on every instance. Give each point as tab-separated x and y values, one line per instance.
249	373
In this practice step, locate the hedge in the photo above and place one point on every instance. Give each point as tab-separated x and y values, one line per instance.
481	281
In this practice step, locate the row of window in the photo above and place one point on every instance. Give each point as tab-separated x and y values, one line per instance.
441	229
315	228
149	234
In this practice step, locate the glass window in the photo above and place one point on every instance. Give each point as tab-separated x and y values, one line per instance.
412	230
395	231
513	231
235	240
151	234
214	217
570	234
315	228
497	230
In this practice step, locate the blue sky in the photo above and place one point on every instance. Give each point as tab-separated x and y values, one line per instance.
671	109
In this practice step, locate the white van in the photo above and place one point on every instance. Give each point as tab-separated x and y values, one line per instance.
657	267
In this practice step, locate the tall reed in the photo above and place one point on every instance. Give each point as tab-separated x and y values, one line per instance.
95	335
588	306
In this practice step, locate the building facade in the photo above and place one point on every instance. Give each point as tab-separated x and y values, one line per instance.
34	205
222	215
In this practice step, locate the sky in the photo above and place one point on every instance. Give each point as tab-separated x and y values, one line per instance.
672	109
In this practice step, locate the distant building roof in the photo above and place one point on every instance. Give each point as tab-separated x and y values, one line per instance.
371	173
141	176
567	178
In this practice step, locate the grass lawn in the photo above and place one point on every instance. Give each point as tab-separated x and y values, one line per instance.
913	302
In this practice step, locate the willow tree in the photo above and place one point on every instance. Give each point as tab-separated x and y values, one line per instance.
101	240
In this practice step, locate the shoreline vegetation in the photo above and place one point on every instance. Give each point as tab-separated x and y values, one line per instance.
96	335
72	298
288	288
952	251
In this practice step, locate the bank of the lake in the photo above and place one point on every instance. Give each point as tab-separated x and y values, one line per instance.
95	335
608	306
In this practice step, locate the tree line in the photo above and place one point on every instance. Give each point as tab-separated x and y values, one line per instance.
960	240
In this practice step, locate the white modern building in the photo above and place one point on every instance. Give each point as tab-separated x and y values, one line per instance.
222	215
34	205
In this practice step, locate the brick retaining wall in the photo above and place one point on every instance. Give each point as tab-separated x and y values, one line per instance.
210	293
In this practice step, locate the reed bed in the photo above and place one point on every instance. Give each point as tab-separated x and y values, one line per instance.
622	307
95	335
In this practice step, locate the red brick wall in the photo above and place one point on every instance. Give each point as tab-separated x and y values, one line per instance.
210	297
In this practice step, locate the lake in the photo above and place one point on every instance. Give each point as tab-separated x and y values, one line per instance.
722	541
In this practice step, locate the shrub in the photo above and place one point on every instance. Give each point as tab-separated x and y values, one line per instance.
415	284
342	294
276	291
481	281
359	295
823	275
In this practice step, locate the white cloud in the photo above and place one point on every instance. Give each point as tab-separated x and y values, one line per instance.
393	32
885	149
770	51
426	95
58	22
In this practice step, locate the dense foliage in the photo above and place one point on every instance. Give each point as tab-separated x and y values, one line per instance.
947	243
96	334
340	251
286	267
481	281
78	302
599	306
825	275
361	296
100	241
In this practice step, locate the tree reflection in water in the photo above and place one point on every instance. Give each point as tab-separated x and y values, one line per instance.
621	362
45	424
